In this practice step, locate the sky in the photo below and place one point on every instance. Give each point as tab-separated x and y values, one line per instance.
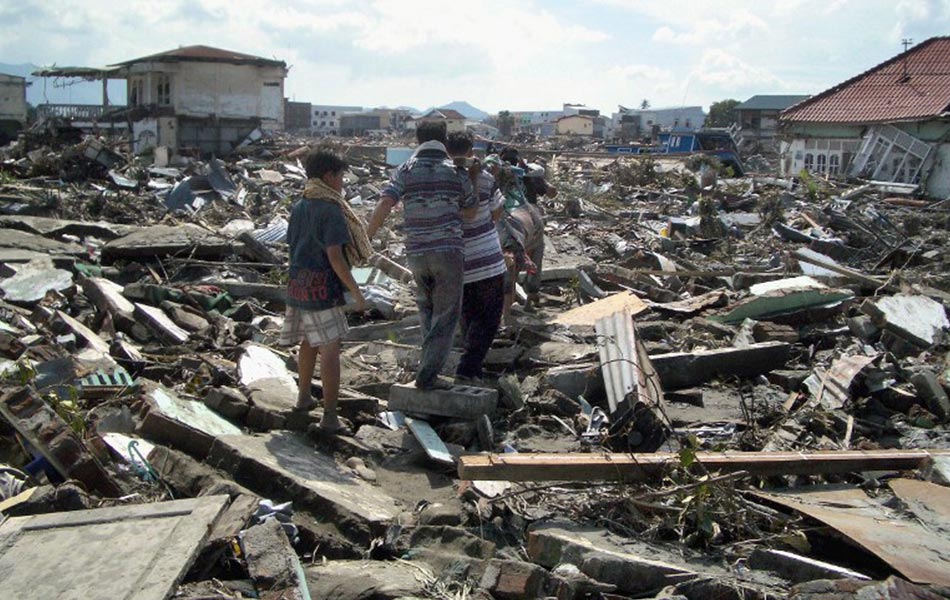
496	54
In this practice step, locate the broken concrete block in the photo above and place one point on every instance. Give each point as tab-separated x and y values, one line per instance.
360	579
283	465
272	562
514	579
928	388
159	323
185	317
631	573
270	385
916	319
50	436
460	401
796	568
91	338
34	280
189	477
228	402
187	425
22	240
139	551
682	369
163	240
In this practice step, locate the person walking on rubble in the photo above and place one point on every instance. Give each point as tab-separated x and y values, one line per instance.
484	280
436	195
527	219
324	238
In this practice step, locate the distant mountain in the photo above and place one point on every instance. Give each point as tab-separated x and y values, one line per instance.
467	109
56	91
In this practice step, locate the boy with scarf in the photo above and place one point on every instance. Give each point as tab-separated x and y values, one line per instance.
325	238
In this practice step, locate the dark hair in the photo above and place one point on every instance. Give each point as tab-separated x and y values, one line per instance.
509	155
459	143
431	131
320	162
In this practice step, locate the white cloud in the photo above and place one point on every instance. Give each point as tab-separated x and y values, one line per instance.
736	26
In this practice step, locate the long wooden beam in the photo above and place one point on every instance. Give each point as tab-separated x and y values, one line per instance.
642	467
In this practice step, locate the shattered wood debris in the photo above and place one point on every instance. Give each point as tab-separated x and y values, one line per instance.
711	367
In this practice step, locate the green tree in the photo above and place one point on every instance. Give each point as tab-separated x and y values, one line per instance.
506	123
722	113
645	104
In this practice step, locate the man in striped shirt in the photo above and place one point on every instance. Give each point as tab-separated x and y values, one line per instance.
484	291
436	195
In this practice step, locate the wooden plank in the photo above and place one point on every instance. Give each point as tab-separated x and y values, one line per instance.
434	446
647	466
589	313
916	552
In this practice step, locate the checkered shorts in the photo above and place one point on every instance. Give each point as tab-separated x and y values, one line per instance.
318	327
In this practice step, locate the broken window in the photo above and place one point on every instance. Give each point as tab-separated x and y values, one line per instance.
809	162
821	161
834	165
890	154
136	92
164	95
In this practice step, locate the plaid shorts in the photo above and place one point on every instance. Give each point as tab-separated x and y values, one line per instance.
318	327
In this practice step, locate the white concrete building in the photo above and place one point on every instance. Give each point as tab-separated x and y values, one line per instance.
325	118
202	99
13	105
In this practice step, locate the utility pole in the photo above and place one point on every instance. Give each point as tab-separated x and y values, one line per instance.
907	42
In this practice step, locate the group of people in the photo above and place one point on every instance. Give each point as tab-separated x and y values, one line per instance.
453	207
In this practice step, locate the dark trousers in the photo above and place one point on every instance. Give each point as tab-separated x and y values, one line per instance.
438	277
482	303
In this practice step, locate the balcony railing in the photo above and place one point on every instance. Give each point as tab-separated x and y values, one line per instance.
77	112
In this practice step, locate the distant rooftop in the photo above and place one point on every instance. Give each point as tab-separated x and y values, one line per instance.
913	85
205	54
767	102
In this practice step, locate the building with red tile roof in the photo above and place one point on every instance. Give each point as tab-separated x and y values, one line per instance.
889	123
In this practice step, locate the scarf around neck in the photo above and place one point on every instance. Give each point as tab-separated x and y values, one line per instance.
359	249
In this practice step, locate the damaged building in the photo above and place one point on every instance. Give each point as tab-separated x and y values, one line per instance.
193	100
13	107
890	123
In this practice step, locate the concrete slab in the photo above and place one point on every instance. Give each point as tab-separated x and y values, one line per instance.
139	552
460	401
33	280
107	296
163	240
190	412
91	337
21	240
159	323
359	579
434	446
917	319
284	465
56	227
272	562
269	383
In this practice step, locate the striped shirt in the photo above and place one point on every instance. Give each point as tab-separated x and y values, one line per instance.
483	257
432	190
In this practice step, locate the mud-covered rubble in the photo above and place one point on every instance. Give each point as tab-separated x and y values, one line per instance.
142	302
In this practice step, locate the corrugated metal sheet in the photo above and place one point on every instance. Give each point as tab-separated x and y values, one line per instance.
913	85
624	362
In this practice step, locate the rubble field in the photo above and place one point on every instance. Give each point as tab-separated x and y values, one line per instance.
730	388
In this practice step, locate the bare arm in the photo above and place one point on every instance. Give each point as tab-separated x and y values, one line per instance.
342	270
380	214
